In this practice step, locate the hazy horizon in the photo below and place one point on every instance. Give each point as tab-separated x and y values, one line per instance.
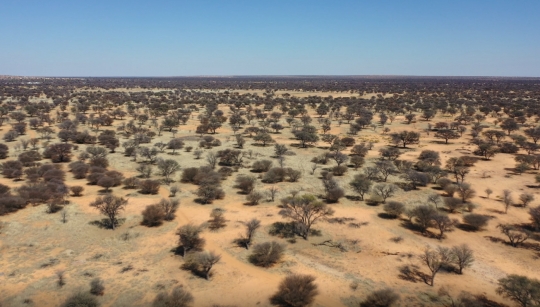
241	38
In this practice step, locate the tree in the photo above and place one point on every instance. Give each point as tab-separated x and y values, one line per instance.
266	254
447	134
263	138
516	235
60	152
251	227
307	135
423	216
167	168
520	289
385	168
295	291
509	124
405	138
110	206
385	190
361	185
212	159
304	210
179	297
81	299
434	260
465	191
507	200
443	223
462	256
526	199
189	238
381	298
280	150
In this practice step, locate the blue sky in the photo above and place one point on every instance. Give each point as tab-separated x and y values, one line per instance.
279	37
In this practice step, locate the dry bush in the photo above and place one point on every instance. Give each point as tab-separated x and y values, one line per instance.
209	193
169	207
217	220
201	263
246	184
153	215
97	287
4	151
179	297
266	254
295	291
76	190
81	299
275	174
254	198
261	166
189	238
381	298
394	208
149	186
132	183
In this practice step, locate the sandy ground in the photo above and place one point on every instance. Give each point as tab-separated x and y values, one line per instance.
137	262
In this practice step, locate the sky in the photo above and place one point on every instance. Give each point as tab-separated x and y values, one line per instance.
263	37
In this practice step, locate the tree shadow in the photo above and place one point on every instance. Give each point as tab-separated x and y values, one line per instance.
387	216
106	223
467	227
413	274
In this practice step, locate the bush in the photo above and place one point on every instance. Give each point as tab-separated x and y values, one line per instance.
266	254
4	151
275	174
149	186
295	290
10	204
254	198
189	238
81	299
179	297
381	298
208	193
334	194
97	287
394	208
79	169
29	158
76	190
261	166
132	183
339	170
476	221
246	184
153	215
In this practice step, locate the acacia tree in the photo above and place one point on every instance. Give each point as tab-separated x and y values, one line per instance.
304	210
251	227
520	289
405	138
110	206
435	260
361	185
447	134
167	167
462	256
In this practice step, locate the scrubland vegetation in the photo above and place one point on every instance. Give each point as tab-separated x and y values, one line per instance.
269	191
